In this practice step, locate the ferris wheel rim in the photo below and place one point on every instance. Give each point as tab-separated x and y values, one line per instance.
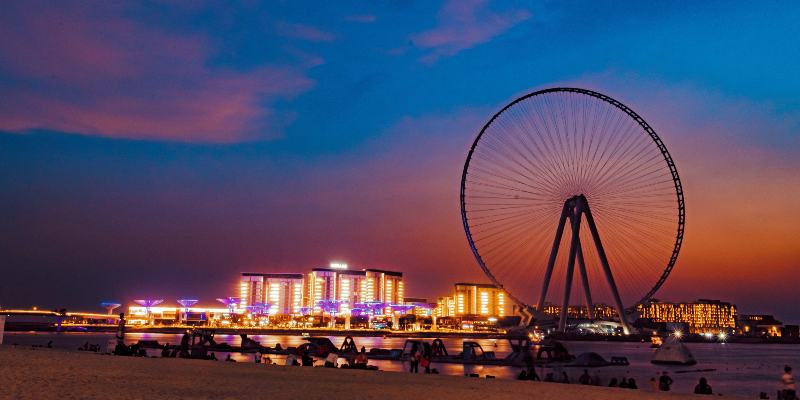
653	135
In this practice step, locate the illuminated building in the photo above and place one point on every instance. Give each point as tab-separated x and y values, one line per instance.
445	307
422	306
283	291
473	299
172	315
758	325
601	311
368	285
701	316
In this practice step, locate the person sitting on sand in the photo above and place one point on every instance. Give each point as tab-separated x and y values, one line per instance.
585	379
522	376
564	377
548	377
165	351
50	344
533	376
703	387
361	360
632	384
307	360
228	358
613	382
212	357
624	383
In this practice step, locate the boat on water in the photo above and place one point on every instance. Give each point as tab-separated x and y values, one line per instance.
673	352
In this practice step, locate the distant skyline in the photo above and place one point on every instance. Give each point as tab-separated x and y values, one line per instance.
161	148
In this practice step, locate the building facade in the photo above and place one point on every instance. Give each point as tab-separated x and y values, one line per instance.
284	292
758	325
473	299
352	286
601	311
701	316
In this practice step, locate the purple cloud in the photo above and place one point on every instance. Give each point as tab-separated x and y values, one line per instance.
464	24
113	77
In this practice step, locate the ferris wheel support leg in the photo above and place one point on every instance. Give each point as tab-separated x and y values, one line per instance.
585	280
575	243
584	206
565	212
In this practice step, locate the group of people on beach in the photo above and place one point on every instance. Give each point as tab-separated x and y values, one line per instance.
86	347
420	356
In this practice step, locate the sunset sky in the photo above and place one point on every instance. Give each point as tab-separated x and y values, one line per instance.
158	150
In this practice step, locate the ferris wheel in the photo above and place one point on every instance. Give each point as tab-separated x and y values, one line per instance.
564	176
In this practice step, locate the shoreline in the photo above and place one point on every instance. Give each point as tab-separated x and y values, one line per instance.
386	333
51	373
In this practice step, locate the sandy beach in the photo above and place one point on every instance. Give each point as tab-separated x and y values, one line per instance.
28	373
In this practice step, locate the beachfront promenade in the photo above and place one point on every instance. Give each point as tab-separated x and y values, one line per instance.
40	373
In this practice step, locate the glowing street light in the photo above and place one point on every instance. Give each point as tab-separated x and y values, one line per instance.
186	303
230	302
110	307
148	303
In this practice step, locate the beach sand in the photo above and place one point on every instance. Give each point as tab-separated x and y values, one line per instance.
40	373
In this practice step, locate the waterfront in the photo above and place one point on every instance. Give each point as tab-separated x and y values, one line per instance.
740	369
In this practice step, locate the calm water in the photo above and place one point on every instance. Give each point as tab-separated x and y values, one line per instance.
741	369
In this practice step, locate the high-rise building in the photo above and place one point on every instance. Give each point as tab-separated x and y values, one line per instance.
384	286
283	291
352	286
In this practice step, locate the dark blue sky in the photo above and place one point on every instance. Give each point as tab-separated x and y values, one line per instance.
159	149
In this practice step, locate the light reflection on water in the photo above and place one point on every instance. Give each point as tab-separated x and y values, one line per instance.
740	369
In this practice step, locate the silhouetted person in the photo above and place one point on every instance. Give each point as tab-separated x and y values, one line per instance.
585	379
788	384
613	382
632	384
703	387
121	349
522	376
361	360
527	357
50	344
624	383
426	357
533	376
416	356
229	359
664	382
